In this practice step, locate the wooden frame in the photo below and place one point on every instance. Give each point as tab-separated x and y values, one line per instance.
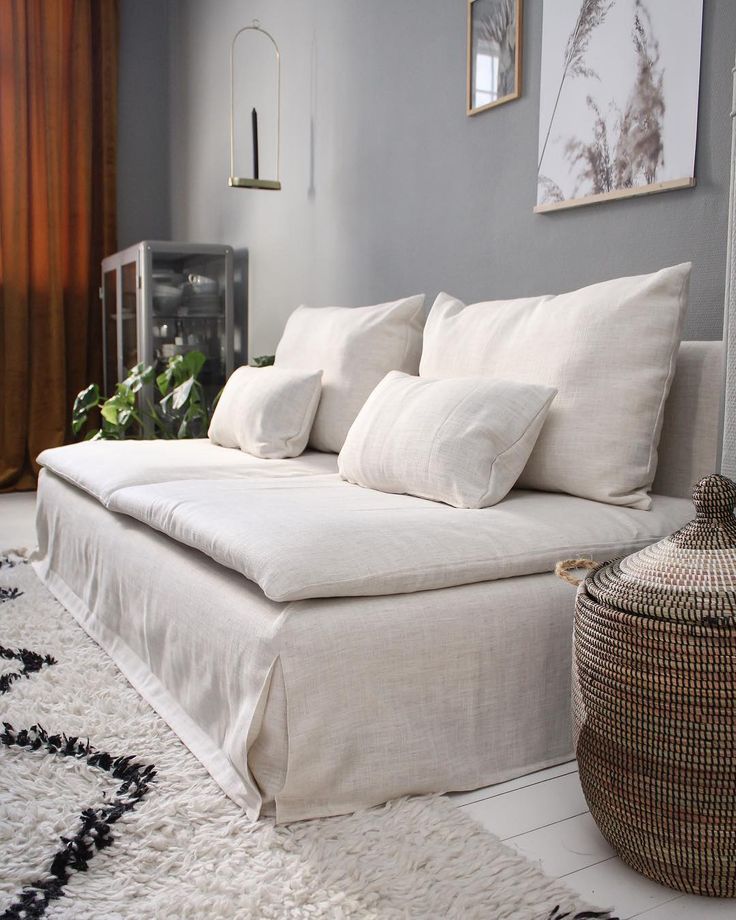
617	117
616	194
509	97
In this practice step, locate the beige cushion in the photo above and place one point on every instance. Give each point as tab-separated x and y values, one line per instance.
266	411
299	530
610	351
355	347
461	441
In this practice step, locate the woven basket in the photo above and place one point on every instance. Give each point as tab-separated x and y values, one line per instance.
654	699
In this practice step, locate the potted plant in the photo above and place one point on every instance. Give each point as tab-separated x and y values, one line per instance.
182	412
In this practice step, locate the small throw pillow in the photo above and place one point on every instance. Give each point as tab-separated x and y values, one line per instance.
355	347
266	412
609	349
462	442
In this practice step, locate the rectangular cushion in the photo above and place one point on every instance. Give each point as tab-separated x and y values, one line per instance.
324	537
266	411
298	530
609	349
462	441
355	347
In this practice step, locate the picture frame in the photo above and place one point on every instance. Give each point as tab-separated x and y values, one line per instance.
494	53
619	94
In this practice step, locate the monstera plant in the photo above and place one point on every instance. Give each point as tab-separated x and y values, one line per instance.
182	411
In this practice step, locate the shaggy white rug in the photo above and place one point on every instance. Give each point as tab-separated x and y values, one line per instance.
105	814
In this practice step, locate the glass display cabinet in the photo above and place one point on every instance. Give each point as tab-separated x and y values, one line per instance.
161	299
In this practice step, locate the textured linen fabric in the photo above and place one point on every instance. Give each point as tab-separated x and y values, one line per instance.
266	411
462	441
313	535
691	434
318	707
610	349
103	467
438	690
355	347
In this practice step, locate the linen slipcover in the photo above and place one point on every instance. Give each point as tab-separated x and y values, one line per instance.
322	706
319	706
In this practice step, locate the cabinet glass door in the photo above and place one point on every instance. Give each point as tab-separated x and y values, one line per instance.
129	316
188	302
110	330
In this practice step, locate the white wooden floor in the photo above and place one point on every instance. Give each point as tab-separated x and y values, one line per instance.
17	520
543	815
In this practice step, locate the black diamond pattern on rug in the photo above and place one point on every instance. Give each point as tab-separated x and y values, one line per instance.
9	594
30	662
94	830
11	560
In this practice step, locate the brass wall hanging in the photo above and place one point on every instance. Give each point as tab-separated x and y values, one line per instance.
255	182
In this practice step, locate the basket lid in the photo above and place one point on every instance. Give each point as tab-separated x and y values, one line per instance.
689	576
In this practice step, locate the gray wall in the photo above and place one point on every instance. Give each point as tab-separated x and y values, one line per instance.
390	189
143	122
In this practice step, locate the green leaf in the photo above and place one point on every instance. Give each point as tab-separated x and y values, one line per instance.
86	400
180	395
125	417
110	412
137	377
165	404
193	362
163	382
263	361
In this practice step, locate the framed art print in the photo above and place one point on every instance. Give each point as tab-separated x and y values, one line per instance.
618	110
494	53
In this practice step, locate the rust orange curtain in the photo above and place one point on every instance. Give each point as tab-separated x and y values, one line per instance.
58	112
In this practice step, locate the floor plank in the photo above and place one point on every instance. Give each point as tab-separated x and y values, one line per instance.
521	782
17	520
611	884
523	810
564	847
690	907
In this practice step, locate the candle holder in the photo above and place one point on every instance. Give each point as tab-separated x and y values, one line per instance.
254	182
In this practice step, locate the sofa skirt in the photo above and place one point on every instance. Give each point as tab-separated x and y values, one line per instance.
321	706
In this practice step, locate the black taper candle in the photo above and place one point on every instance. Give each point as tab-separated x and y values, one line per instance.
254	120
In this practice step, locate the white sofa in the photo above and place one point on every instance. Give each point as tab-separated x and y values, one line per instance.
325	696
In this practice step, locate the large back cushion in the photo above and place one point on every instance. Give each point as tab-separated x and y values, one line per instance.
354	347
609	349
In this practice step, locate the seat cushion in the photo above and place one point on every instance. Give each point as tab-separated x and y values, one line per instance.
300	531
324	537
101	468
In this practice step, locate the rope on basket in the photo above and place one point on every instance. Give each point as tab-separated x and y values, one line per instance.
563	569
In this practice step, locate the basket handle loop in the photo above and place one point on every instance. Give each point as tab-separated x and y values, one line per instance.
563	569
